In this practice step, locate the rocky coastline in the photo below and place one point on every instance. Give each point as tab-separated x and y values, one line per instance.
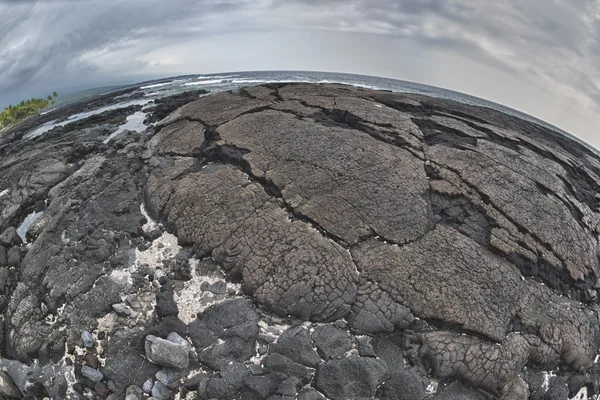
298	241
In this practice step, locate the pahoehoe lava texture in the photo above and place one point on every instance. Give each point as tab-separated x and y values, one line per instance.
417	247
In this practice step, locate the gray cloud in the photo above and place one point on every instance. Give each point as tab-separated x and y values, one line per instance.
54	37
546	47
550	42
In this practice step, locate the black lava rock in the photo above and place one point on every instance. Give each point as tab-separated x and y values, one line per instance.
295	344
403	385
458	391
331	342
14	257
166	305
4	274
310	394
3	257
277	363
235	323
350	377
10	238
365	346
289	387
558	389
261	387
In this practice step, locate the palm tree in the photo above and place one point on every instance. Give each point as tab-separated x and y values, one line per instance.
12	115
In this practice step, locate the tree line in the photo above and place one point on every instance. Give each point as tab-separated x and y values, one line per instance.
12	115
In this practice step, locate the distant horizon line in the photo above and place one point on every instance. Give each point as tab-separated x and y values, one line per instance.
133	83
185	75
129	83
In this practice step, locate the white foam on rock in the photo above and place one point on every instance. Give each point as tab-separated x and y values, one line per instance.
192	300
257	358
142	302
122	275
581	395
108	323
584	395
69	374
24	227
69	370
188	396
547	376
432	387
273	329
52	319
163	248
151	224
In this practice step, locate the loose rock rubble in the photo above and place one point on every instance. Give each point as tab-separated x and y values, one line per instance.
300	241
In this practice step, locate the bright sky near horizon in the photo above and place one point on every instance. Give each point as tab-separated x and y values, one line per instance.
541	57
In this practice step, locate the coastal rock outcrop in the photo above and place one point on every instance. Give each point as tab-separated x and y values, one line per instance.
301	240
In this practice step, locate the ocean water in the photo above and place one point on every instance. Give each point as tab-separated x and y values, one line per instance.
236	80
76	117
135	122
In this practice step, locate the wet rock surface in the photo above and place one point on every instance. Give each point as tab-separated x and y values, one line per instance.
299	241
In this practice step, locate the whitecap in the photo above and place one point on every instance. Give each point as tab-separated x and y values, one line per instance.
208	82
244	81
217	77
156	85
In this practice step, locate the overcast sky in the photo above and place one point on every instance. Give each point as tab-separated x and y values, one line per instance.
538	56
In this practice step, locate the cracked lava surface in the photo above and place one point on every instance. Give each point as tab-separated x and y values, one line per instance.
465	238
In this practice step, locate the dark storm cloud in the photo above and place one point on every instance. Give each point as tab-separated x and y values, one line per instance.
552	43
54	37
45	36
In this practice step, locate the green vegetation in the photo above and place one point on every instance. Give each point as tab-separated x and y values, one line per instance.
12	115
